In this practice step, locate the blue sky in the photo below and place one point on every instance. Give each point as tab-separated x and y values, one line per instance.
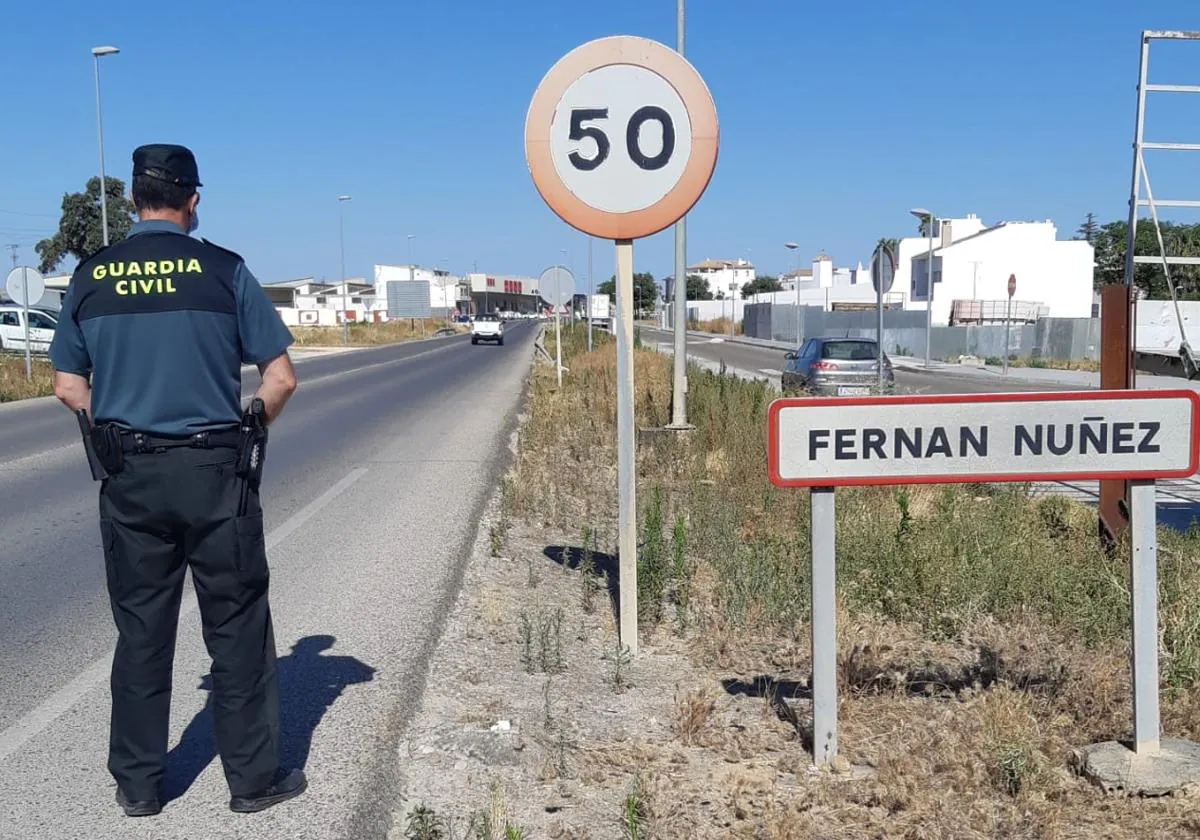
836	118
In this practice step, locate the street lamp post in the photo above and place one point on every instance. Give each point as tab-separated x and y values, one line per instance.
792	246
97	53
342	249
929	219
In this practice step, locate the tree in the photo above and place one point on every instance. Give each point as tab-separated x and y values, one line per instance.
1179	240
924	225
890	243
645	290
1089	230
697	288
761	285
80	232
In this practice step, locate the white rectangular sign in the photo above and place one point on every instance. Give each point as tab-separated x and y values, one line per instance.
965	438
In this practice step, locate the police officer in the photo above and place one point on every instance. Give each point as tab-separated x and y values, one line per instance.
149	346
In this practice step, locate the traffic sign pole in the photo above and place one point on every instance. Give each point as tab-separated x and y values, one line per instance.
824	624
1012	289
883	274
23	285
626	470
621	141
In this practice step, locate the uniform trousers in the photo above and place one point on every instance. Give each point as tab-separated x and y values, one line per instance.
163	513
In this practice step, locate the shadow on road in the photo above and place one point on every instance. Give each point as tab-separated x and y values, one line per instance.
309	684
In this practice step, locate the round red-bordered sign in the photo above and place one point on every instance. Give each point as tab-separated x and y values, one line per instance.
1012	285
621	137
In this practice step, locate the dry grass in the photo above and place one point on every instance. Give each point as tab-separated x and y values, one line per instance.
388	332
982	632
716	325
14	385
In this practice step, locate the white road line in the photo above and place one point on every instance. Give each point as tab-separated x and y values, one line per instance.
770	371
60	702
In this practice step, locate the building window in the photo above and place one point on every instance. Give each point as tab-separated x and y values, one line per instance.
356	300
320	299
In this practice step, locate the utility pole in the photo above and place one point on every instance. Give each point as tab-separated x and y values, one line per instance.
679	389
14	248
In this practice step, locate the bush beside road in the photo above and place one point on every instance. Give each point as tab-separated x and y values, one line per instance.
366	335
982	637
14	385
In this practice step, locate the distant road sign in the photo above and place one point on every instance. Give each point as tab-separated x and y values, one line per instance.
621	137
883	268
945	439
1012	285
25	285
557	285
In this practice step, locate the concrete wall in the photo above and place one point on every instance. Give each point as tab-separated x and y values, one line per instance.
904	333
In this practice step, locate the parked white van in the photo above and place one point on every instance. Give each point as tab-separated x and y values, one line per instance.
12	329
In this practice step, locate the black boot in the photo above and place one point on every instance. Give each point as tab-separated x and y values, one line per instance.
139	808
285	785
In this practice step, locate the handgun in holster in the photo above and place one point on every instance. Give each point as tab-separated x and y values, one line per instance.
252	444
102	445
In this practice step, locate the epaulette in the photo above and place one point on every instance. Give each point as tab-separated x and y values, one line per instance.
233	254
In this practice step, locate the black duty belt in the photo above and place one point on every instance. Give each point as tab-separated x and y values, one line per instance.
138	442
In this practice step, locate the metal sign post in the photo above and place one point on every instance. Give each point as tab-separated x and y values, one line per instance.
25	285
1137	436
621	141
563	282
1012	290
883	274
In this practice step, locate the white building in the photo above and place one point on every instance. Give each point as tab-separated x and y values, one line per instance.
972	264
725	278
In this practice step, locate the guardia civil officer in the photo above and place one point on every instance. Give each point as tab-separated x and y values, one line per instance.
148	353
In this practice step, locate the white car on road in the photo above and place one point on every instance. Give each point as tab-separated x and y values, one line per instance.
12	329
487	327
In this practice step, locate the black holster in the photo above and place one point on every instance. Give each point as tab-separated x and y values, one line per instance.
252	443
102	445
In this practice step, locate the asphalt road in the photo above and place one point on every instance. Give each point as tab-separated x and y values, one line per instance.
375	475
769	362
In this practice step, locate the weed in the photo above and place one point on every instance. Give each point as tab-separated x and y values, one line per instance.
683	573
532	580
525	639
635	813
652	568
587	570
495	541
620	659
544	630
547	706
424	824
692	713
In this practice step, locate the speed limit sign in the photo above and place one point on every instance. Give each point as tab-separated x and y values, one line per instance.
621	137
621	140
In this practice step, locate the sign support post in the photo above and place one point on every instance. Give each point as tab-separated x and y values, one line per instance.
621	140
883	274
1143	593
557	334
626	468
23	285
824	625
1012	289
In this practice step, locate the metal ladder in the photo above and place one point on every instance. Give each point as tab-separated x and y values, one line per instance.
1187	355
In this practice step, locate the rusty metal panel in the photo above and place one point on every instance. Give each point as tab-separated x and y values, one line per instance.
1116	373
